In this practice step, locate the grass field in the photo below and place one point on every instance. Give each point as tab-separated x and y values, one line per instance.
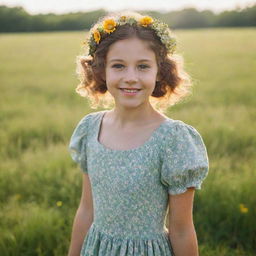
40	186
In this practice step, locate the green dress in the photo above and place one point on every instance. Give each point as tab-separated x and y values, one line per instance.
130	188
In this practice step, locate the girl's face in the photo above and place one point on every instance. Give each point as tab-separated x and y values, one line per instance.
131	64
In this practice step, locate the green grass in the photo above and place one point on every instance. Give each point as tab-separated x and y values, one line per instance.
39	109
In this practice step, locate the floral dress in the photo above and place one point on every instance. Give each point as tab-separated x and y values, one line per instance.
130	188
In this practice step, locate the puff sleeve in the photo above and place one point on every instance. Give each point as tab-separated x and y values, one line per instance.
77	145
185	160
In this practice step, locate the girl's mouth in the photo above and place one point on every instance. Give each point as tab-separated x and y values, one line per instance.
130	91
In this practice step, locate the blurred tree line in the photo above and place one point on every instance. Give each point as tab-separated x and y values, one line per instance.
16	19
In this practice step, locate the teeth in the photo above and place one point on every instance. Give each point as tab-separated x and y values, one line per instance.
128	90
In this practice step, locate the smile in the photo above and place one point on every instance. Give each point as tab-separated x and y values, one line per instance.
130	91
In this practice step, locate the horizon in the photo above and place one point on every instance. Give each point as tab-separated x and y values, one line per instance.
46	6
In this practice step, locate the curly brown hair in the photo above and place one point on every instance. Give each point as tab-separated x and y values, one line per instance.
174	83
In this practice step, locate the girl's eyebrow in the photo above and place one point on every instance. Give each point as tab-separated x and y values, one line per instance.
142	60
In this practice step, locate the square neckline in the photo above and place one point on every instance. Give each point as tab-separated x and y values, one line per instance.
140	147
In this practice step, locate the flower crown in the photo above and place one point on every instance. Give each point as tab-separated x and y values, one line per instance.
100	31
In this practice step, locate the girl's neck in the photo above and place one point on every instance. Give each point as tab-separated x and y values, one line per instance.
125	118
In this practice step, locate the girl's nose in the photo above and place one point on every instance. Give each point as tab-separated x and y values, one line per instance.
131	76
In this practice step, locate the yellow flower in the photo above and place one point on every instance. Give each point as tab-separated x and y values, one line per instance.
109	25
96	36
59	203
123	18
145	21
243	209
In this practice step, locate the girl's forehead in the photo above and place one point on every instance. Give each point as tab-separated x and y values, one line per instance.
130	49
129	43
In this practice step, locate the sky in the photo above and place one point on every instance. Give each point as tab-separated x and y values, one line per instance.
65	6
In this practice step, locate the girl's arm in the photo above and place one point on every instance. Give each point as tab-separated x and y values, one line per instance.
83	218
182	233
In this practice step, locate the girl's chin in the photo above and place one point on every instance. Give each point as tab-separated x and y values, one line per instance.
130	103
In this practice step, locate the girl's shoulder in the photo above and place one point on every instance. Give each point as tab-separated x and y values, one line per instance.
84	125
89	118
179	133
177	127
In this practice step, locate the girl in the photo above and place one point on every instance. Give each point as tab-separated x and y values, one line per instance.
137	163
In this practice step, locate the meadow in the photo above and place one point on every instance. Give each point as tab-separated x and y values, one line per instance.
40	185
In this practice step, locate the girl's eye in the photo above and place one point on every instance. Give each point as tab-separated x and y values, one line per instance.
144	66
117	66
120	65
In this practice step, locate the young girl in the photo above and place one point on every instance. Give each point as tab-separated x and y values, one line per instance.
138	164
